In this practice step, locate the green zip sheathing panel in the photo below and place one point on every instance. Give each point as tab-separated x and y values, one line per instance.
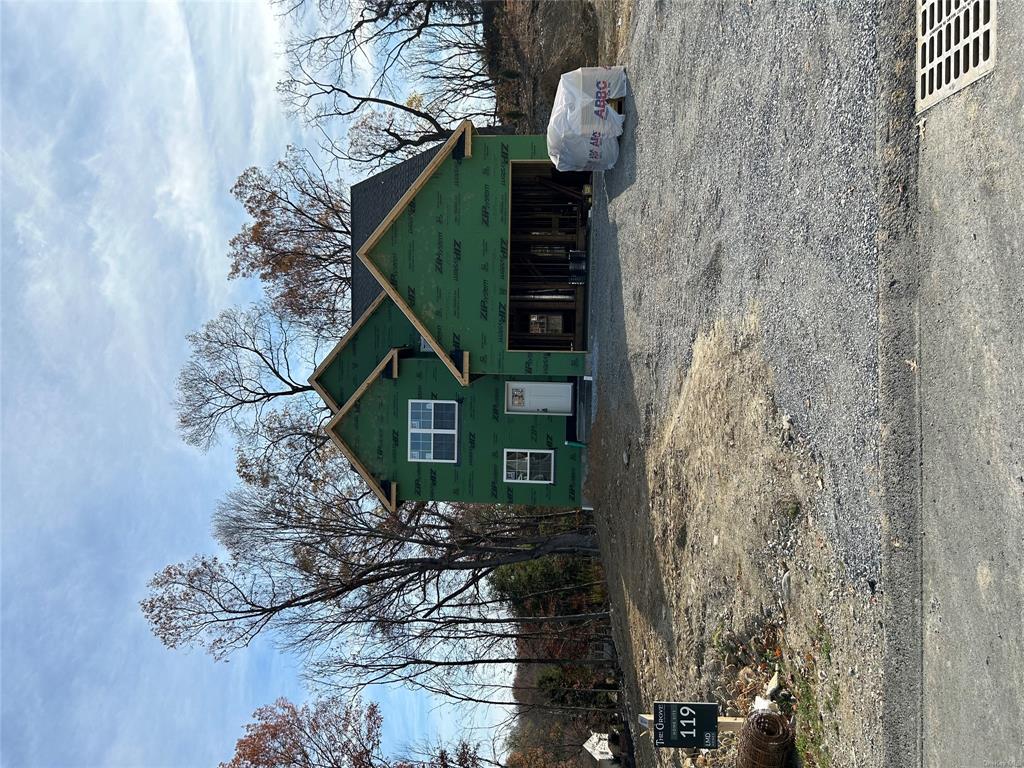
447	256
386	328
377	430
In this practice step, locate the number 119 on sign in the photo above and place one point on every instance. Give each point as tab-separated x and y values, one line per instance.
687	717
685	724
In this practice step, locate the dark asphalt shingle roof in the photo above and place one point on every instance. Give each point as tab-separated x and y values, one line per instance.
372	200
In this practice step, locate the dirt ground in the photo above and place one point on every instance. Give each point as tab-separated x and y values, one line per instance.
735	352
805	341
719	570
537	41
734	456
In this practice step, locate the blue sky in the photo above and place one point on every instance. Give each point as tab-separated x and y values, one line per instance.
123	127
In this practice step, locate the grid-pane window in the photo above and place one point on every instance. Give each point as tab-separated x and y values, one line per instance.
433	430
522	466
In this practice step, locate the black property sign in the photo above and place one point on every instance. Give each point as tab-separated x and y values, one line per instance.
685	724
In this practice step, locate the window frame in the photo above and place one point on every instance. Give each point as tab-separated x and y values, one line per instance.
528	451
432	431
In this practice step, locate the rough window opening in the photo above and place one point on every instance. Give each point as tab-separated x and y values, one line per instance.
956	42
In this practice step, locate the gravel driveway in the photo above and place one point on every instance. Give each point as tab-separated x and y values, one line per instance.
767	176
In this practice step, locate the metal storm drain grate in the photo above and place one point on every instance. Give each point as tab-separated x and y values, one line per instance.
956	45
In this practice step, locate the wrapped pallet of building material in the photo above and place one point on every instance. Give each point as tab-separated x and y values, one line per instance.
584	129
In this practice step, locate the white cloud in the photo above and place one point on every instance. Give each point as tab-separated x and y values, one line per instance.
262	75
124	126
29	176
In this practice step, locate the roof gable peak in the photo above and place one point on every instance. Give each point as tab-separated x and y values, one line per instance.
464	133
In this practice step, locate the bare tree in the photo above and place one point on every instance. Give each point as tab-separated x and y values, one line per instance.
375	596
332	732
290	448
299	240
243	364
397	74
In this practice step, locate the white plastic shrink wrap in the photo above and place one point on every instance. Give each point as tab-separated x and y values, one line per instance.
583	130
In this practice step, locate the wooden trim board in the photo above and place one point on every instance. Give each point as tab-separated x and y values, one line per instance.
461	376
465	129
389	501
389	359
446	149
337	350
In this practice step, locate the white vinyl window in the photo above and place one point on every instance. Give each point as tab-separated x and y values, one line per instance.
433	430
522	466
